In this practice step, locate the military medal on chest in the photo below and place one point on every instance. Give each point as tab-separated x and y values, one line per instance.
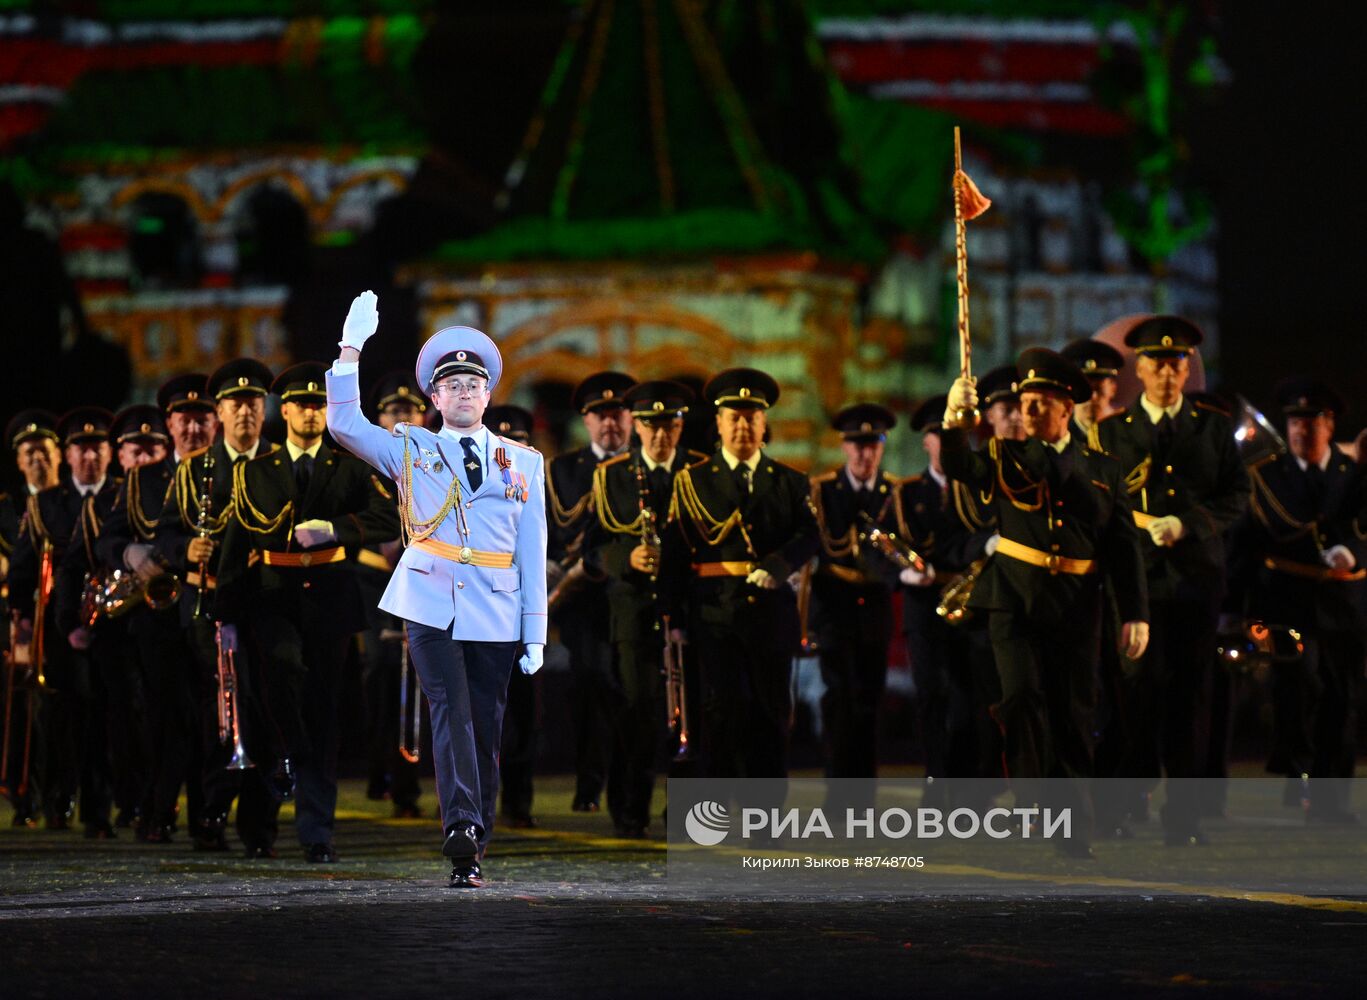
514	483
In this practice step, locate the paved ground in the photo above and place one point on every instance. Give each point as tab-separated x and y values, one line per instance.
571	911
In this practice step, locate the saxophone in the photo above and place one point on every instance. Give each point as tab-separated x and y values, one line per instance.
953	606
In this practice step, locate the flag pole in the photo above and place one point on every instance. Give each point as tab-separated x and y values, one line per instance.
967	418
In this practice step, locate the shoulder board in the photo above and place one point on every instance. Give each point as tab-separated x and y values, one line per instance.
697	456
1260	462
380	488
614	460
911	480
1112	416
702	460
196	453
517	444
1210	407
825	477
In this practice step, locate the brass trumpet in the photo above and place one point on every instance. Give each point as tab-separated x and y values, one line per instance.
902	555
410	736
676	695
953	606
114	594
229	711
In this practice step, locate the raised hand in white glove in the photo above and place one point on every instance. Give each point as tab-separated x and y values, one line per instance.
362	320
530	661
79	638
963	395
914	577
1338	557
762	579
991	544
227	638
314	532
1165	531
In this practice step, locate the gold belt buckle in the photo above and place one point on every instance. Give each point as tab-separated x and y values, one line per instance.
306	559
1051	562
466	553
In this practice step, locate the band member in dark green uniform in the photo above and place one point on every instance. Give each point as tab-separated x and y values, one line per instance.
740	524
577	602
1064	521
1299	561
287	574
631	500
1187	486
32	435
1101	364
852	588
189	539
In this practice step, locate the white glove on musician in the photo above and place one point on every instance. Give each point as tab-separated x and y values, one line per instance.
914	577
762	579
963	396
1166	531
362	320
530	661
1338	557
314	532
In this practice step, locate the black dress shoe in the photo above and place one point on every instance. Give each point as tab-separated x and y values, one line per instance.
462	842
264	852
523	821
281	781
1077	850
57	821
23	818
407	811
320	854
585	805
630	831
126	818
466	875
100	831
210	837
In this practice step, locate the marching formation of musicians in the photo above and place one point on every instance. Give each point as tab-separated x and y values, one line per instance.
184	593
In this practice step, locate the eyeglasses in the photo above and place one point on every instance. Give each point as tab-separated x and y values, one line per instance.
463	387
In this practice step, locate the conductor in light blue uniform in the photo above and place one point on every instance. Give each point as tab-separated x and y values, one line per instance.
472	580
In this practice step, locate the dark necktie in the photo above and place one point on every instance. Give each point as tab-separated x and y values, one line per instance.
1314	477
473	468
303	471
659	486
741	473
1162	435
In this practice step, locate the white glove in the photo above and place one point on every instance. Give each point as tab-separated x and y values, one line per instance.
990	546
530	661
1338	557
362	320
79	638
227	635
315	532
138	558
913	577
762	579
1134	639
963	395
1165	531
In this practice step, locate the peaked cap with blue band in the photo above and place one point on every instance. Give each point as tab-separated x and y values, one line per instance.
458	349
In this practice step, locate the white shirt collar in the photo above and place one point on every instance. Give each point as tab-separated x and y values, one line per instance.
867	484
89	489
941	480
1061	444
652	466
33	491
233	453
752	462
1156	412
455	434
295	451
1322	463
602	454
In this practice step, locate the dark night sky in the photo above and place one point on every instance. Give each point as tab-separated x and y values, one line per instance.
1292	201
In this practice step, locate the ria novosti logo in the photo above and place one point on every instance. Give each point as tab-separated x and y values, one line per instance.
707	823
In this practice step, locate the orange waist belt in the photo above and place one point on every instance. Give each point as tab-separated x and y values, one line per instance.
465	555
1311	572
723	568
303	560
1045	560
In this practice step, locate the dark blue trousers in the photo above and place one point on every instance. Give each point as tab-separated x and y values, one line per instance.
466	684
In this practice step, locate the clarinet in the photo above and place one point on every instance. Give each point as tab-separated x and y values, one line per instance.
202	527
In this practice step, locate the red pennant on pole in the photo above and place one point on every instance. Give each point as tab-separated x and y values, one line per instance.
972	202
